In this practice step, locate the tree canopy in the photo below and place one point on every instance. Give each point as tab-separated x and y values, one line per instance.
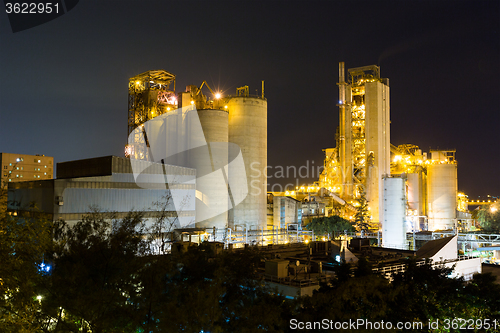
489	218
106	278
328	225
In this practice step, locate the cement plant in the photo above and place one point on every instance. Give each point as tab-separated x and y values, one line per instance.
203	156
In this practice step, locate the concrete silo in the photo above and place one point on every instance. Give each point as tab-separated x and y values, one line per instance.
248	130
442	195
393	223
212	190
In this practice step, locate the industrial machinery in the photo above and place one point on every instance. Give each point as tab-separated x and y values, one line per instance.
415	191
362	156
149	95
233	128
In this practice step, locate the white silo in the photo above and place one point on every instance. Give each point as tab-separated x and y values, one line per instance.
212	190
248	130
393	222
442	196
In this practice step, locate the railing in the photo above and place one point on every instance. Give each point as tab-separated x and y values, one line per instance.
399	268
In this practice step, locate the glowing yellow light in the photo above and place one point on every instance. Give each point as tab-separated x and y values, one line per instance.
138	82
493	209
225	106
168	109
306	241
217	95
192	102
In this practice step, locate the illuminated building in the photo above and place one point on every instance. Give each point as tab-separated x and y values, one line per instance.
414	191
285	211
230	124
22	167
362	156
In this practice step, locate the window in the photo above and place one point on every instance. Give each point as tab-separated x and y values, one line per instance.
17	168
17	176
5	167
22	168
10	180
21	176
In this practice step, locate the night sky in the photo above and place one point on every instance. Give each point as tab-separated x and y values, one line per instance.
63	84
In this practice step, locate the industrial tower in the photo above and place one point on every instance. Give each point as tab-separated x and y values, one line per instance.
362	156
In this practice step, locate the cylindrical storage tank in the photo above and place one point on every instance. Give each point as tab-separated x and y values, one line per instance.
248	130
211	175
442	196
393	222
206	151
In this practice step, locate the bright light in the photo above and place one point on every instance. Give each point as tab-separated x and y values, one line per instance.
192	102
217	95
39	297
225	106
18	160
493	209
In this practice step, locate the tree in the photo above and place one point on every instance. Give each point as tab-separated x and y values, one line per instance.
24	239
489	218
95	273
362	217
329	225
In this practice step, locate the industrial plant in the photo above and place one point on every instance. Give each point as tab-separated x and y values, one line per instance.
204	155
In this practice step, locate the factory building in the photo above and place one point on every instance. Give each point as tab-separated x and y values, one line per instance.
224	138
407	190
285	211
107	184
